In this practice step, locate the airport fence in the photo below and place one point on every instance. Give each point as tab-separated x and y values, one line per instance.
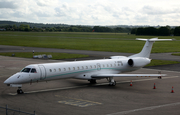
8	111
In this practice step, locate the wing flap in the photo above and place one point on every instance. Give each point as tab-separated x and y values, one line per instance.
127	75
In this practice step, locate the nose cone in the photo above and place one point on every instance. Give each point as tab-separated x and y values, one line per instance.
7	81
12	79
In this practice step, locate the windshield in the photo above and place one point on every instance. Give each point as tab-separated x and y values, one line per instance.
26	70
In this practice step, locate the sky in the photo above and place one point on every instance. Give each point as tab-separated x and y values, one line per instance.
93	12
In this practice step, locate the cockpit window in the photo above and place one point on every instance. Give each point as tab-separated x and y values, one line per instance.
33	70
26	70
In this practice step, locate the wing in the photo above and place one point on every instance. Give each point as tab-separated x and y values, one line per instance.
126	75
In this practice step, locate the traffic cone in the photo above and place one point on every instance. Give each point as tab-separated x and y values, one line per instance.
154	86
131	83
172	91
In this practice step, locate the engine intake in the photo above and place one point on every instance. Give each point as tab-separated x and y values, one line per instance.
130	62
138	62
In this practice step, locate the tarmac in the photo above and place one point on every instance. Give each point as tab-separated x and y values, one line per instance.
78	97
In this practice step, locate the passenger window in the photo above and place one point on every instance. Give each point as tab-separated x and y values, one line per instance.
82	67
111	65
59	69
64	69
33	70
94	66
86	67
54	70
78	68
107	65
90	66
69	68
73	68
50	70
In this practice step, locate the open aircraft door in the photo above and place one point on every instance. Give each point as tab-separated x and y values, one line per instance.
43	72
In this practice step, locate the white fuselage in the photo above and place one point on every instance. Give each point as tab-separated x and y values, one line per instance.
76	69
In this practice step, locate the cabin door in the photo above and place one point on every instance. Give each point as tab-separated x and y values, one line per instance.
98	66
43	72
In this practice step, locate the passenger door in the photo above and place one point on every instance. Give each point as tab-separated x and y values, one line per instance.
43	72
98	66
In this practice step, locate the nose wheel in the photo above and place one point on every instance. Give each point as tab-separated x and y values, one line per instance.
20	91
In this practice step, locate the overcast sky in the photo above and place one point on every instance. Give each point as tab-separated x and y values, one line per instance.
93	12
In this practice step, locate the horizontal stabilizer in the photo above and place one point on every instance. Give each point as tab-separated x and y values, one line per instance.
145	52
154	39
127	75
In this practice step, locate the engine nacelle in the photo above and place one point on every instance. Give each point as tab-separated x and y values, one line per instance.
138	62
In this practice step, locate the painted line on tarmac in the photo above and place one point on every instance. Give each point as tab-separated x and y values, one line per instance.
77	102
161	70
144	109
100	84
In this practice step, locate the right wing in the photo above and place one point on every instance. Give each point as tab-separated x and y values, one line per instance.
126	75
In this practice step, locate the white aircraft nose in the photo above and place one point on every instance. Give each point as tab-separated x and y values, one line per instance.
12	79
8	81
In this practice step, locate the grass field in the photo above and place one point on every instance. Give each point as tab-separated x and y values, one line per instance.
176	54
113	42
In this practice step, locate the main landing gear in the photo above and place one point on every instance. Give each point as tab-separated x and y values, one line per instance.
111	81
92	81
20	91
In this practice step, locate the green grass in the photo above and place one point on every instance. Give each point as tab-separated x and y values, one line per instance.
161	62
113	42
176	54
54	55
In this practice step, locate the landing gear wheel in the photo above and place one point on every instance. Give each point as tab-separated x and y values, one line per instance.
92	81
112	83
20	91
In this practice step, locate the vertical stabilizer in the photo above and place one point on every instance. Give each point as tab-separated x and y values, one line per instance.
145	52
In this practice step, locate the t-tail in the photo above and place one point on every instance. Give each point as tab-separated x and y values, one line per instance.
145	52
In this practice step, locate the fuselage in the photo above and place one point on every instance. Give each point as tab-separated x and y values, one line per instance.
76	69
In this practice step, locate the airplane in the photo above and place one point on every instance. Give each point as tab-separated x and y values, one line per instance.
90	70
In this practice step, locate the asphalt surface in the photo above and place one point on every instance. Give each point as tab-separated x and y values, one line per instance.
78	97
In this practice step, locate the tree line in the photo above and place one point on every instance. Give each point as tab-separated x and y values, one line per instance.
161	31
25	27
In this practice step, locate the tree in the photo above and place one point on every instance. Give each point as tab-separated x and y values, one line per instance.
133	31
177	31
164	31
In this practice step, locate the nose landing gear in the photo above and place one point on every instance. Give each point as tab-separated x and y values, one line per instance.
20	91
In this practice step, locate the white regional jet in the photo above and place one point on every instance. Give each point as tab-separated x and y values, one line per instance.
91	70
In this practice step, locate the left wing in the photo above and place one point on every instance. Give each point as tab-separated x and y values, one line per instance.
126	75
